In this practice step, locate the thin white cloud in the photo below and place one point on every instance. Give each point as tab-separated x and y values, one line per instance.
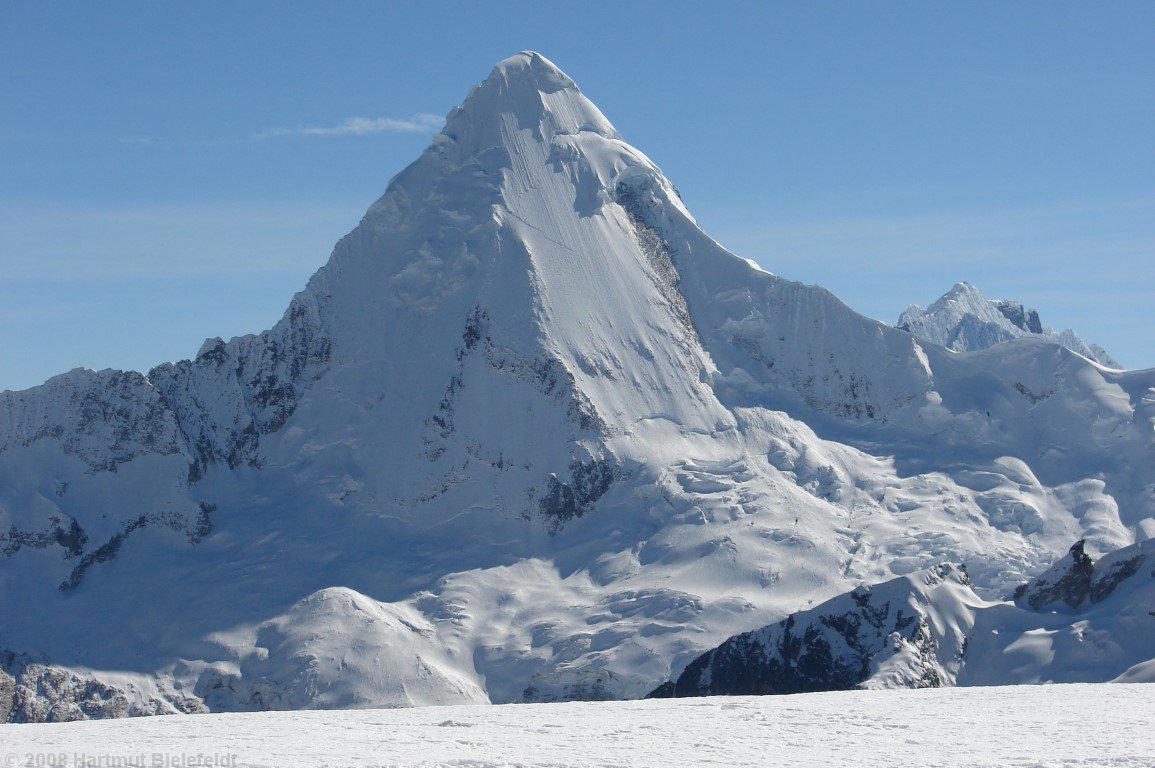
365	126
422	122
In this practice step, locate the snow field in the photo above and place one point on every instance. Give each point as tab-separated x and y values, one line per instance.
1027	726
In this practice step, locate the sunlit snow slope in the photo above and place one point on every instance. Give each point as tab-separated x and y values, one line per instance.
964	320
529	434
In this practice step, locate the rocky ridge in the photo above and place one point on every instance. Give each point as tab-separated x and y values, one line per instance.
531	433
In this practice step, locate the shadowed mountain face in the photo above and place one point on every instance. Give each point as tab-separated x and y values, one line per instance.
529	429
1081	621
884	636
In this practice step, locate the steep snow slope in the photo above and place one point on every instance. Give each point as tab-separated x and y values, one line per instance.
547	437
964	320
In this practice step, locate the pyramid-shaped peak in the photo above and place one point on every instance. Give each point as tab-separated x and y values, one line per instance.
524	91
964	297
964	289
531	69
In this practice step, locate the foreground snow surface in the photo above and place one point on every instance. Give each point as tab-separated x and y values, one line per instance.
1049	725
531	434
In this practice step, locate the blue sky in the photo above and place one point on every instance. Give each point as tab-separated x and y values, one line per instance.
172	172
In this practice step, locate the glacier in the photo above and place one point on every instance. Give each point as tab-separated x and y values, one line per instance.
530	434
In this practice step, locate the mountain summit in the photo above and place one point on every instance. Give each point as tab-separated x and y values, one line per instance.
532	92
964	320
529	434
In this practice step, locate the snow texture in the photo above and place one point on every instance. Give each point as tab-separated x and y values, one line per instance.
964	320
910	632
1078	621
528	435
1013	727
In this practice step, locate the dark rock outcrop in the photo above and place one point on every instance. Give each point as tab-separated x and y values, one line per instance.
881	633
36	692
1020	316
1077	580
564	501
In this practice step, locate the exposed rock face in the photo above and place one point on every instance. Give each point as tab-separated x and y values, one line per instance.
531	433
564	501
1020	317
105	419
872	636
929	629
32	692
190	415
232	393
1077	581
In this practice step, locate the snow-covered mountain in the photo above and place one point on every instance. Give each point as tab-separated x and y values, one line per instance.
1079	621
529	434
964	320
910	632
